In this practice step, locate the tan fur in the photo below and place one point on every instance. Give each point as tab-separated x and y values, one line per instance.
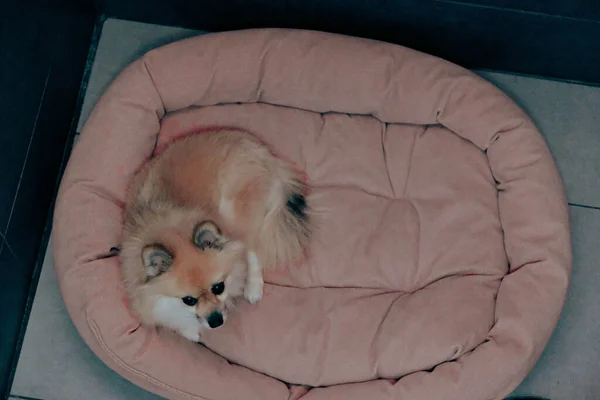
229	178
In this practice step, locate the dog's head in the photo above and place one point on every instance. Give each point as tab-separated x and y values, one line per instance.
192	273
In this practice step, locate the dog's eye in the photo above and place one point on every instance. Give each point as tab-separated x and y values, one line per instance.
189	300
218	288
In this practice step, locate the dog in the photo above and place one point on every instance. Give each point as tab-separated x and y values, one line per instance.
201	221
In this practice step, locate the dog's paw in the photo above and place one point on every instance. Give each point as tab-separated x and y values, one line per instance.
253	292
192	335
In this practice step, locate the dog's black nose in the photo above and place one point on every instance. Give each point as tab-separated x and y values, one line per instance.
215	319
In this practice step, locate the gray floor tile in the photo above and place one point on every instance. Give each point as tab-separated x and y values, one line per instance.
568	369
122	42
55	363
18	397
569	117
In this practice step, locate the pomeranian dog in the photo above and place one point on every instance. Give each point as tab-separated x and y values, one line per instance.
202	219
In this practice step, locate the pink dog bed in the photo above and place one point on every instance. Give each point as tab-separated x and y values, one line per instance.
443	252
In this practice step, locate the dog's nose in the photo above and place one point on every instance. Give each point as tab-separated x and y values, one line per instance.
215	319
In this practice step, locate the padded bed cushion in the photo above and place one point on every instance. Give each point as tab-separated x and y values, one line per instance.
443	252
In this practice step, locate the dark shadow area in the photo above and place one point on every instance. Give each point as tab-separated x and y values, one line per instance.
43	51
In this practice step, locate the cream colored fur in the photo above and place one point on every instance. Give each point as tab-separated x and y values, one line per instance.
256	205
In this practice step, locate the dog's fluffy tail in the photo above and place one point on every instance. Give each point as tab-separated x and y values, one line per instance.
286	230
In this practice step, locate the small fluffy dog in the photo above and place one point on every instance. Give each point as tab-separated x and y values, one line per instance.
202	219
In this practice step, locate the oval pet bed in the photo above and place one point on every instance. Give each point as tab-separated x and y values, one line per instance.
442	257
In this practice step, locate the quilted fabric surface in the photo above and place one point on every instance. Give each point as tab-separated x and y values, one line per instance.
442	254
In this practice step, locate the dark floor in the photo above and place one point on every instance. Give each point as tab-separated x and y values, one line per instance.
41	48
44	45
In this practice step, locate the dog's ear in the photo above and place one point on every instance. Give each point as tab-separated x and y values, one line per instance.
207	235
157	259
